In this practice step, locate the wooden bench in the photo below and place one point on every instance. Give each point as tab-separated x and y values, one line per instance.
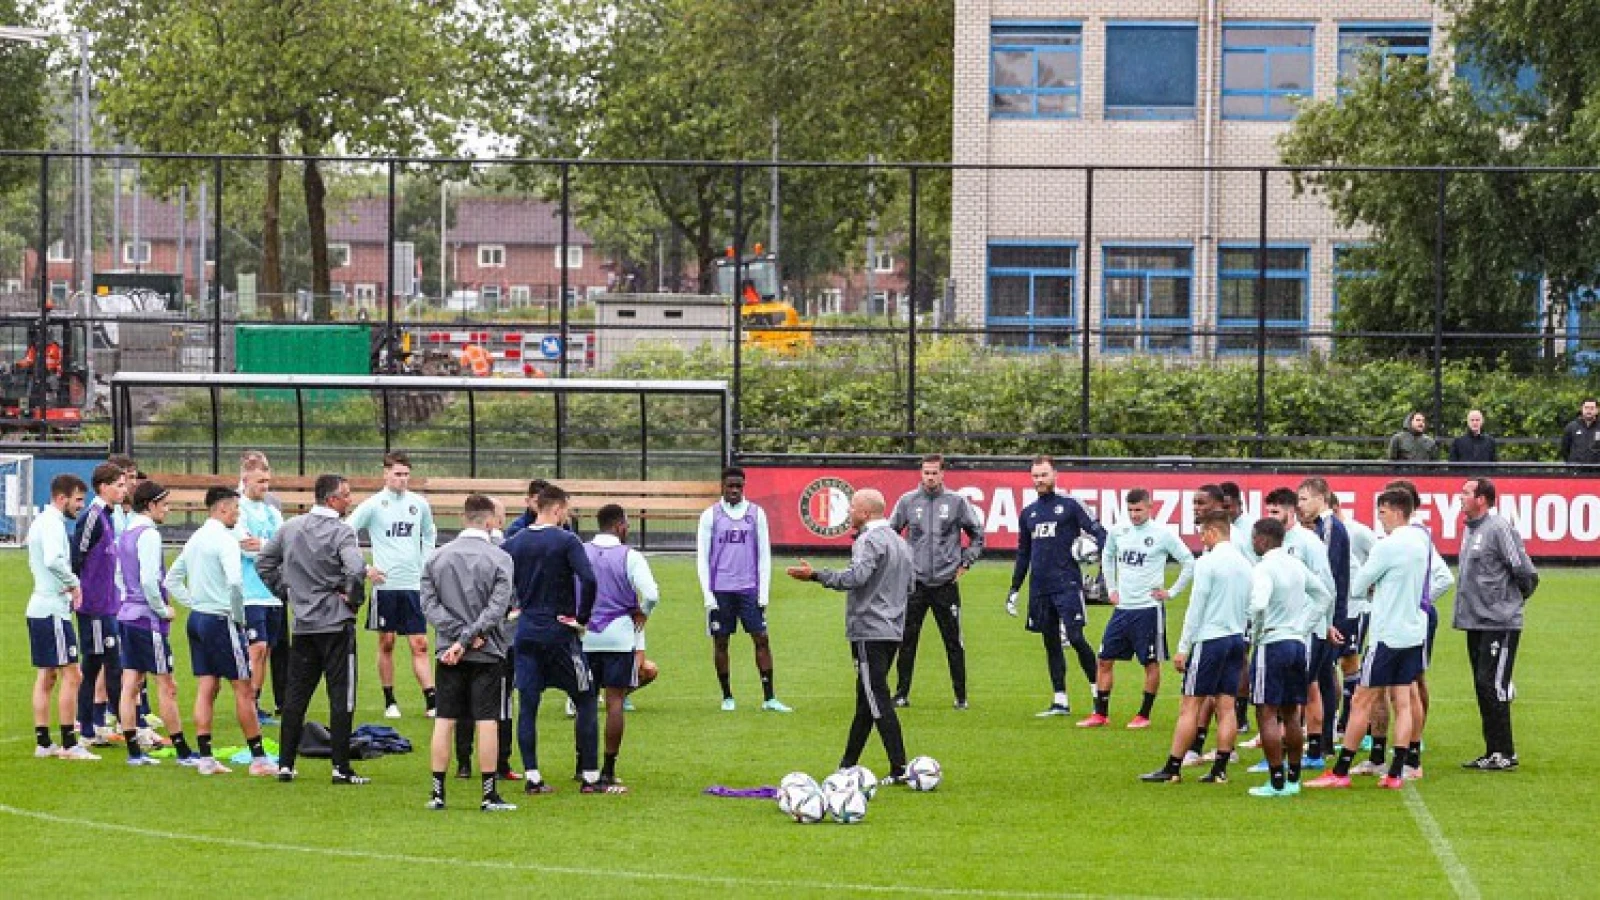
645	501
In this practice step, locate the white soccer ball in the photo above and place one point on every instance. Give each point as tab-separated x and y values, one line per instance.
794	778
847	806
923	773
1085	550
837	782
804	804
863	779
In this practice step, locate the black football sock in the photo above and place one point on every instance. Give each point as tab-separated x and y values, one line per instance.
180	745
727	689
1348	699
427	697
41	736
130	736
1380	746
1199	745
1241	711
99	714
1102	703
205	744
69	737
766	683
609	769
1148	703
438	786
1294	770
1174	766
257	751
489	791
388	695
1314	745
1346	757
1220	767
1414	754
1397	765
1277	777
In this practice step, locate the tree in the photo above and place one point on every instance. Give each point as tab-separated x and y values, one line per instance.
23	114
265	76
1504	231
707	80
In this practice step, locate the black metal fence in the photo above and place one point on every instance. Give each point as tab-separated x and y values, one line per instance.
1107	311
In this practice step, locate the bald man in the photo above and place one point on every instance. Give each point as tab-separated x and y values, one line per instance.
878	582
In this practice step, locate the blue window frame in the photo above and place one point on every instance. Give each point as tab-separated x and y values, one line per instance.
1035	70
1493	96
1032	294
1266	70
1152	70
1147	293
1288	305
1392	42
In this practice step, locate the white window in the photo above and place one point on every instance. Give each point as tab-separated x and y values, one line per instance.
336	290
491	293
57	252
491	256
883	262
136	253
13	286
574	257
60	290
832	300
520	293
366	292
338	255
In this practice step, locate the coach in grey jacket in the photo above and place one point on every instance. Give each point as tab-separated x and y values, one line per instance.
878	583
1495	582
933	521
314	564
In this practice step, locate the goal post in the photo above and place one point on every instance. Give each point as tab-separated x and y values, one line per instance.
16	497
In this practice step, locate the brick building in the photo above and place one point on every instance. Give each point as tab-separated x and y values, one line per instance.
1156	83
149	243
508	250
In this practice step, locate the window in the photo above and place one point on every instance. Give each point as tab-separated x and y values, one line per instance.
883	262
60	290
1035	70
1266	69
1151	70
491	256
336	291
366	293
13	286
490	293
1493	95
1390	42
338	256
1288	299
520	293
832	300
57	252
1147	298
1032	295
1348	266
574	256
136	253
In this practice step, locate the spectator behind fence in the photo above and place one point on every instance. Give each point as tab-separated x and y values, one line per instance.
1580	443
1475	446
1411	443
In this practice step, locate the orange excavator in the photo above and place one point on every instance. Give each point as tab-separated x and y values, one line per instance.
761	305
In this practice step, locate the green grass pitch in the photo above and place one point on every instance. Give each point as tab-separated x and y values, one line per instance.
1029	808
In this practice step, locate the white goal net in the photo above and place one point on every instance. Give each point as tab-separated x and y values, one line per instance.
16	497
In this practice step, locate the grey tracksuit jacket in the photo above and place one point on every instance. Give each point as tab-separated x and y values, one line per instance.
314	564
933	525
879	583
1496	577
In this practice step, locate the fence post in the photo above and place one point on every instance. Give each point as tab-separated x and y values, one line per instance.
41	343
1438	301
472	434
566	221
216	430
1261	323
1085	291
736	303
911	325
216	268
390	343
300	421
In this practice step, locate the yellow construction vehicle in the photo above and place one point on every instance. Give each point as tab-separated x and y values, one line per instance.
762	309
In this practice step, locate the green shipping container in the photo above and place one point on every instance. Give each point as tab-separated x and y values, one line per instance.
302	350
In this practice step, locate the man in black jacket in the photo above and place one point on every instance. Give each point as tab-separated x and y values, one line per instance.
1580	443
1475	446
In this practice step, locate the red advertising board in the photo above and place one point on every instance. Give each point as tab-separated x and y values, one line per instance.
1558	517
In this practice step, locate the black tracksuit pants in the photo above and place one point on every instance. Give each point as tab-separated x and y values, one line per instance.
874	705
944	601
329	657
1493	655
278	661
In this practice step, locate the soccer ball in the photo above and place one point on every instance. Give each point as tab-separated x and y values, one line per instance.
847	806
1085	550
837	782
923	773
794	778
804	804
864	780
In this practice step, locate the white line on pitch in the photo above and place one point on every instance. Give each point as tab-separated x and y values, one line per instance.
1454	868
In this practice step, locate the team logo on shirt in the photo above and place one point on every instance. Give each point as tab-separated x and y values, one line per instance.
1060	509
1149	542
825	506
412	510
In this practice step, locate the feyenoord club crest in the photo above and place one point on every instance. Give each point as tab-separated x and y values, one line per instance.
825	506
412	510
